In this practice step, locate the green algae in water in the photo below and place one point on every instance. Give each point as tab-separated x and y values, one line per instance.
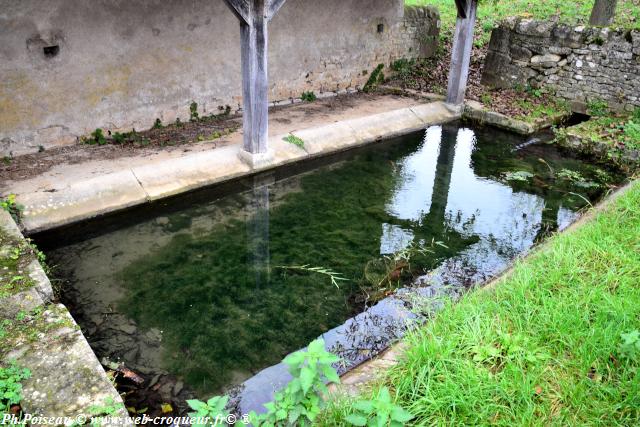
208	276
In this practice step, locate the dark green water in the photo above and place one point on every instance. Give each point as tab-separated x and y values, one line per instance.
200	292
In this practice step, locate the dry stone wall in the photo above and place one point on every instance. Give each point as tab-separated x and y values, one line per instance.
583	64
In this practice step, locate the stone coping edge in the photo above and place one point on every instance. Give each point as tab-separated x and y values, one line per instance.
66	377
476	112
45	210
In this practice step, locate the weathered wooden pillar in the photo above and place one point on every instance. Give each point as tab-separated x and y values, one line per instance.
254	16
461	51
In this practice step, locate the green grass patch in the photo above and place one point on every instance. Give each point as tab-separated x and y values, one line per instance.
548	107
490	12
553	343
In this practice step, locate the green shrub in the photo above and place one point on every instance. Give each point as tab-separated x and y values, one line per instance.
299	403
380	411
308	96
97	137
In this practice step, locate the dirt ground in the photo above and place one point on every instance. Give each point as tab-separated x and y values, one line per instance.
431	75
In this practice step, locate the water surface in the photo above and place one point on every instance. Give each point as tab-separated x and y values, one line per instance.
205	292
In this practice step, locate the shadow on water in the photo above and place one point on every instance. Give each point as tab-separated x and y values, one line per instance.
202	297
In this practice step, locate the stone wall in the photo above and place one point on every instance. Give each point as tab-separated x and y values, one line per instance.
70	66
581	63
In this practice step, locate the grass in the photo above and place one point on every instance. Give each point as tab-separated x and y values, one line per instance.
614	137
543	347
490	12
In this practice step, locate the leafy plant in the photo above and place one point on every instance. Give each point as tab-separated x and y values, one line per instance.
630	346
292	139
97	137
9	204
535	92
597	107
119	138
10	384
212	412
381	411
300	402
193	112
157	124
308	96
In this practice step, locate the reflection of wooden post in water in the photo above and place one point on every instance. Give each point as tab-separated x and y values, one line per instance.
258	228
444	169
549	223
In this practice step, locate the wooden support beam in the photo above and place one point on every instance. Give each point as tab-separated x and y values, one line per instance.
461	53
273	8
461	5
254	16
240	8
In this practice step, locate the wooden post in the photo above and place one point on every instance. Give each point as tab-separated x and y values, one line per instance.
461	51
603	13
254	16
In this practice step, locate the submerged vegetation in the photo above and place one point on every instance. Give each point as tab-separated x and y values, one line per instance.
556	342
227	308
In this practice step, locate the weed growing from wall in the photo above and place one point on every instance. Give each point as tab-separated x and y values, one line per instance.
308	96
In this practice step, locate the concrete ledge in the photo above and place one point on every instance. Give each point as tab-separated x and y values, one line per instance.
173	177
328	138
127	188
83	200
475	111
66	376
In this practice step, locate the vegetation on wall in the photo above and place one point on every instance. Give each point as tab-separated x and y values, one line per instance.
490	12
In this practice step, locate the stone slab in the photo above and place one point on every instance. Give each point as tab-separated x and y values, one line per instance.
328	138
385	125
168	178
66	376
435	113
81	200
